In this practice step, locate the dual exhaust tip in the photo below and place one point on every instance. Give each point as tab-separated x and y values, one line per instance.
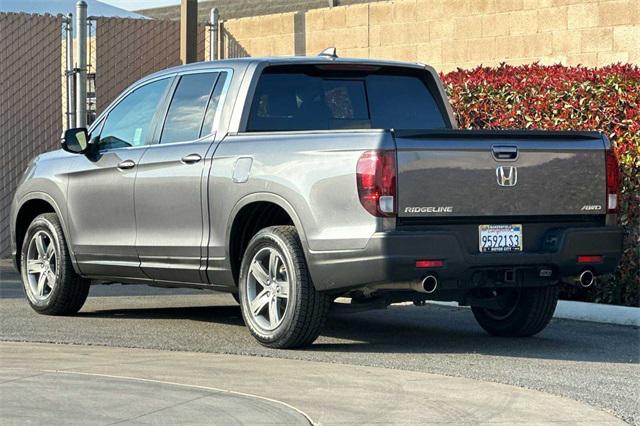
429	284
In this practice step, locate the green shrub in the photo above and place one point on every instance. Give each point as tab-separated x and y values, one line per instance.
568	98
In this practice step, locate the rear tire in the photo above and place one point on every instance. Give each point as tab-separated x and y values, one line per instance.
528	313
280	305
49	281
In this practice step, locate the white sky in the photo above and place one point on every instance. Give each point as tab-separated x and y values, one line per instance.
140	4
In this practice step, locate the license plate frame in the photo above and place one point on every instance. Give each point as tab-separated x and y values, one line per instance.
500	238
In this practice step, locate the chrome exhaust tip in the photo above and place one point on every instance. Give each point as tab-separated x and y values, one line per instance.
586	279
429	284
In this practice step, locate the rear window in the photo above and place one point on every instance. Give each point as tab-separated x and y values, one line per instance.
313	99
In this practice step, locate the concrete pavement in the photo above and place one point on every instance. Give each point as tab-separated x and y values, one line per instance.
102	385
54	397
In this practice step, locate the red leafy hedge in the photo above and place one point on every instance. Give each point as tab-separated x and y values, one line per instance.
567	98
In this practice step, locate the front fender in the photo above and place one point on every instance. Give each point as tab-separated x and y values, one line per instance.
59	211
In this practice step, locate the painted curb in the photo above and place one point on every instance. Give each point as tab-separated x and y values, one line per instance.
583	311
596	312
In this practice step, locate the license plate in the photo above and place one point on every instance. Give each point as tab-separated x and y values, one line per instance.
500	238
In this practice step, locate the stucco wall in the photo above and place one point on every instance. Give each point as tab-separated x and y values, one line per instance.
451	33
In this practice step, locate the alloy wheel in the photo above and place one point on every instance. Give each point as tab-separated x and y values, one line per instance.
41	265
268	286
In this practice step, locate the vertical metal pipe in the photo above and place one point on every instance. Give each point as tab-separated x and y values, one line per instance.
71	110
222	49
81	68
213	34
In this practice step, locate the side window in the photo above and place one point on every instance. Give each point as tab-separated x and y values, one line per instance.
129	122
187	109
210	115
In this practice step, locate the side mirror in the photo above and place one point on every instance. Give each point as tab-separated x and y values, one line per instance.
75	140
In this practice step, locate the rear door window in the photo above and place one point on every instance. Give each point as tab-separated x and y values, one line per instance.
213	107
187	109
345	100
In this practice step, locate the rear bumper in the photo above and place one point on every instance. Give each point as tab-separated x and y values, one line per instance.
390	258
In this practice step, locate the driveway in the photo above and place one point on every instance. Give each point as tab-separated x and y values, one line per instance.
593	363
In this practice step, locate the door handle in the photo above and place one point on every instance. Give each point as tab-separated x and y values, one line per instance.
504	152
191	158
126	164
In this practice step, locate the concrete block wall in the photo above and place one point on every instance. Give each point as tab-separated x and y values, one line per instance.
453	33
270	35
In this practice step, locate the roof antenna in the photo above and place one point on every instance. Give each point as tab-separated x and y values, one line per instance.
329	52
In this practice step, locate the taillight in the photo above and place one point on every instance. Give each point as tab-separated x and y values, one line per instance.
613	181
376	178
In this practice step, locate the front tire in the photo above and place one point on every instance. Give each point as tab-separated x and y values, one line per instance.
280	305
49	281
528	312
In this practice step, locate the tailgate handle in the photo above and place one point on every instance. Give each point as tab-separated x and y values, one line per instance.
504	153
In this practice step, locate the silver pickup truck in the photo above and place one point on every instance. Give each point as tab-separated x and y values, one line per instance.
290	182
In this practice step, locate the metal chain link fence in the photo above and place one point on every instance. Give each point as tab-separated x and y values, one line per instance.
128	49
34	97
30	99
230	48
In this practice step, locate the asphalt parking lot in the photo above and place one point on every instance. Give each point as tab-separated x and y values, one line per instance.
592	363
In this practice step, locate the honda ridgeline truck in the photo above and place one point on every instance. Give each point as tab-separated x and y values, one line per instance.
290	182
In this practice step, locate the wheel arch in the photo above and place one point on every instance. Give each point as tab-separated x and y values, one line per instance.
271	210
29	207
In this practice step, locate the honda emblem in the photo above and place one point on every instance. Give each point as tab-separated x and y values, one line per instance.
507	175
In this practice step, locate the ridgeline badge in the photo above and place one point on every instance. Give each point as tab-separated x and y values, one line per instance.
441	209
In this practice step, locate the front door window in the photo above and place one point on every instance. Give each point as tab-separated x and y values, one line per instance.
130	122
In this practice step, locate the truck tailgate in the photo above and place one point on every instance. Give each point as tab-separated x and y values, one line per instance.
468	173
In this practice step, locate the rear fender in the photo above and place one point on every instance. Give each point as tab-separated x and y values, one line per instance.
270	198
